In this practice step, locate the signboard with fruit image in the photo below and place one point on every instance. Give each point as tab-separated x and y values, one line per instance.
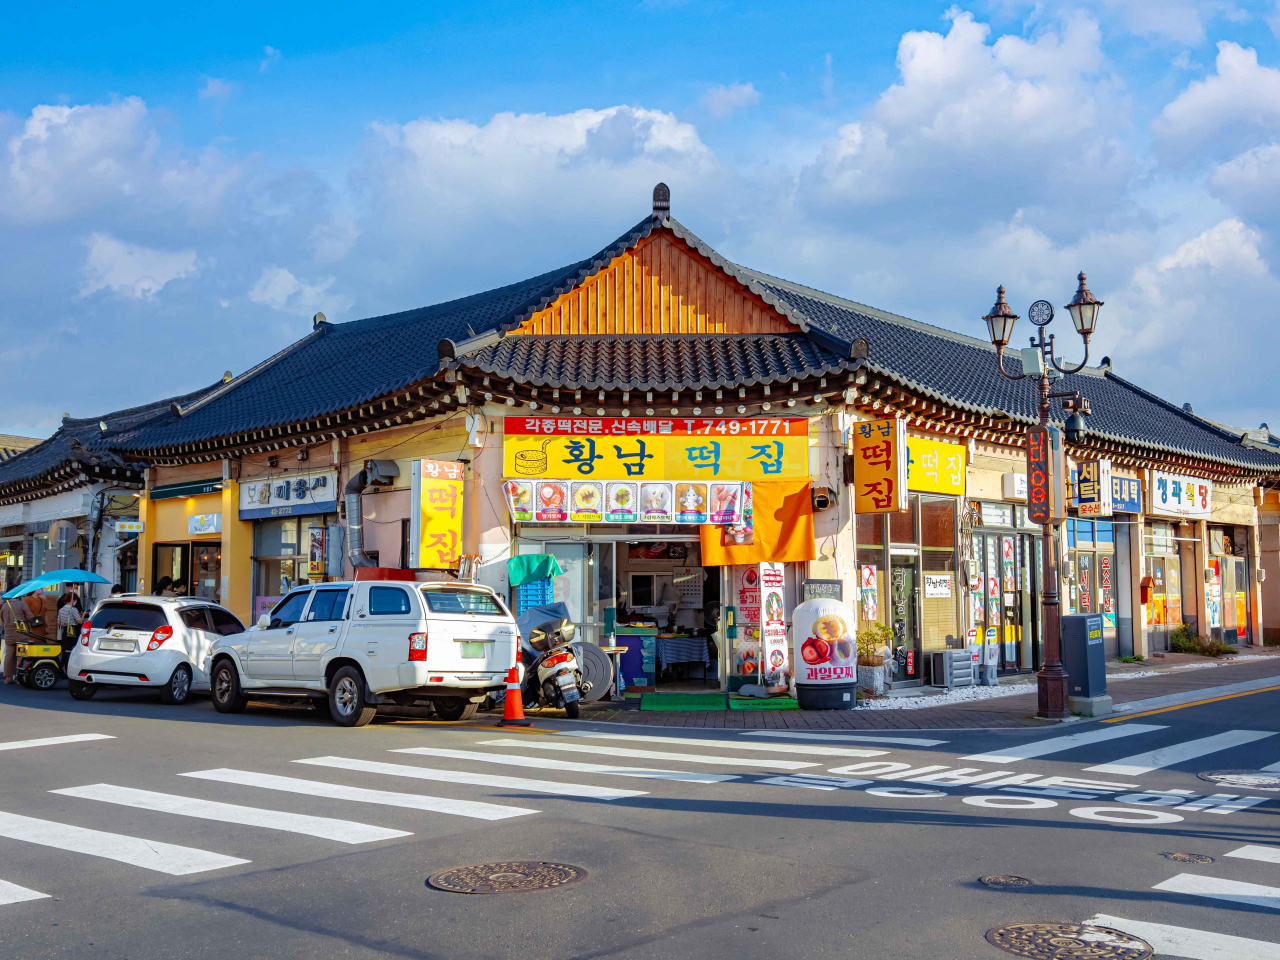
773	626
746	581
825	650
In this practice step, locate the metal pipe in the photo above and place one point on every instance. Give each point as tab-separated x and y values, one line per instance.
355	520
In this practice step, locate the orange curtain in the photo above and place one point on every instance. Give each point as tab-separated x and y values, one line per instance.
782	517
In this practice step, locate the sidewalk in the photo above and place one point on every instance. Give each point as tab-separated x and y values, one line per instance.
1176	674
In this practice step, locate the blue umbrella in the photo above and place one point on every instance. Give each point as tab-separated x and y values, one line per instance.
69	575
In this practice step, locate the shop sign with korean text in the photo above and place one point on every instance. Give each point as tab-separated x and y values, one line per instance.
773	626
1045	466
935	466
435	523
622	501
289	495
1093	488
1179	495
880	466
698	450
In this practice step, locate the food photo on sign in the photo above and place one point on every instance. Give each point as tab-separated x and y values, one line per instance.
825	655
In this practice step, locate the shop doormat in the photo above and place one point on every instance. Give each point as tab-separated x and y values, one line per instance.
755	703
682	701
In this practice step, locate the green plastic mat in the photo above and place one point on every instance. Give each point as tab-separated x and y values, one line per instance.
682	701
755	703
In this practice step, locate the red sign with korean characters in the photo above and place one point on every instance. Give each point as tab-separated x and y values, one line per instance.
1045	466
698	450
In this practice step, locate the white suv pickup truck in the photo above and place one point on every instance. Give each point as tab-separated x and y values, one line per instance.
350	647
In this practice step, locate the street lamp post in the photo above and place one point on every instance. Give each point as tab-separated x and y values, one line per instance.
1051	681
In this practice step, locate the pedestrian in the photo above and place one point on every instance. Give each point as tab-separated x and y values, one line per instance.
163	584
39	607
12	612
117	589
69	619
180	587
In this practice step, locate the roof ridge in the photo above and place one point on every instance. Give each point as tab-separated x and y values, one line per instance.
1192	417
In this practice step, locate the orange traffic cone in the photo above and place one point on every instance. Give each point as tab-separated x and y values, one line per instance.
513	705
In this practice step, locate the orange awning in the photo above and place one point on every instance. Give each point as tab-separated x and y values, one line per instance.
782	514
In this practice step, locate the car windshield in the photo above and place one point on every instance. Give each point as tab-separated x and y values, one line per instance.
462	601
129	616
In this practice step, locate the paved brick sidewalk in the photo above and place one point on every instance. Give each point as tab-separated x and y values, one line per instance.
1012	711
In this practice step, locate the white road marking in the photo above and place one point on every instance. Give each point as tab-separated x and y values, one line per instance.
1252	851
1192	944
546	763
1042	748
731	744
148	854
1137	816
1176	753
1272	767
337	791
1217	888
343	831
50	741
477	779
538	743
851	738
12	893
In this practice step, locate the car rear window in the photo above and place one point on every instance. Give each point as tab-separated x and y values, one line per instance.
462	601
129	616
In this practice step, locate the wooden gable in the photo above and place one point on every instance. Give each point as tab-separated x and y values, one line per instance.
658	286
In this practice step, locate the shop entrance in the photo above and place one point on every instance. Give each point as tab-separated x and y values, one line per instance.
1005	600
904	601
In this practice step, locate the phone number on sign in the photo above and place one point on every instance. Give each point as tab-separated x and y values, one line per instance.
684	427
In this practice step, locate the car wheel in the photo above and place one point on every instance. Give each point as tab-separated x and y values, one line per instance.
571	710
43	677
178	689
225	686
81	691
455	708
347	706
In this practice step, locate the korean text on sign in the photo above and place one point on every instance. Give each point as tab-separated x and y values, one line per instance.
436	537
935	466
879	466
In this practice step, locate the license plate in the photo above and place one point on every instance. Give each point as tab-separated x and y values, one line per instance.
471	650
124	645
565	680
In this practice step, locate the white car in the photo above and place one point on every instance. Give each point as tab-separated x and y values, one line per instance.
160	643
350	647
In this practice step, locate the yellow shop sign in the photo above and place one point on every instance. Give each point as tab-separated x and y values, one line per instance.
934	466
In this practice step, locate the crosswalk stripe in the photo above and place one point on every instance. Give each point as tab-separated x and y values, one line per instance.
148	854
1188	943
548	763
849	737
539	743
12	893
337	791
51	741
731	744
1176	753
1042	748
1253	851
343	831
1218	888
584	790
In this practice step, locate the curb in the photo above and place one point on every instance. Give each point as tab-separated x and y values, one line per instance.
1193	696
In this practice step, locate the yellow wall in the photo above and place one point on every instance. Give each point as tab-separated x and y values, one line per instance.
237	551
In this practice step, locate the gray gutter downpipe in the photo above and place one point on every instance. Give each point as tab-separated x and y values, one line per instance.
355	520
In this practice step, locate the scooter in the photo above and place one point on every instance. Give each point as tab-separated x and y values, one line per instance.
552	674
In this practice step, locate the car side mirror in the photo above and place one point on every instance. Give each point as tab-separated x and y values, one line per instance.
264	621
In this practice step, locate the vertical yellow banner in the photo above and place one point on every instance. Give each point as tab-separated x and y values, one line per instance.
880	466
438	486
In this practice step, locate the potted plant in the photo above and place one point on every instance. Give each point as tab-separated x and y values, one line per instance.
872	639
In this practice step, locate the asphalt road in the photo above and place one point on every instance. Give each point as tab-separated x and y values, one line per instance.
727	845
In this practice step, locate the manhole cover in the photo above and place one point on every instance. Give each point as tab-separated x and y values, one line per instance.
1188	857
516	876
1068	941
1005	883
1244	779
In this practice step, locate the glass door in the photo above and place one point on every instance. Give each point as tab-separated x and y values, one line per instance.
904	600
206	572
1242	603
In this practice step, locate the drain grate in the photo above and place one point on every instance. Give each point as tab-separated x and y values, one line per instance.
1244	779
1005	883
1188	857
1068	941
513	876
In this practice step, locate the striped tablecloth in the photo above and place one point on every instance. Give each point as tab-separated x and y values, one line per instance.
683	650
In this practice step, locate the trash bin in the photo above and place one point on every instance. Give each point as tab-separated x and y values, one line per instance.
1083	659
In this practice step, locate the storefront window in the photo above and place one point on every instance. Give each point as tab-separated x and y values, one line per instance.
289	551
902	526
870	528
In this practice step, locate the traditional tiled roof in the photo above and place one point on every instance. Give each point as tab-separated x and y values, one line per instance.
11	445
660	362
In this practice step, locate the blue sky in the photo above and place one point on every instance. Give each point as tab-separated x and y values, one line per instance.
180	189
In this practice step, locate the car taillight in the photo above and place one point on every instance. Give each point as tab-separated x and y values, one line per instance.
417	646
159	637
84	633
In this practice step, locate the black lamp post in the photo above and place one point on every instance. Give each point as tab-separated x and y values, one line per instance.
1039	363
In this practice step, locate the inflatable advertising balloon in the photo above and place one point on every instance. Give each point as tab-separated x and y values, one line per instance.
826	657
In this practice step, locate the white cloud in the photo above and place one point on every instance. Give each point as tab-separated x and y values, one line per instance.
270	56
216	90
279	289
721	101
1237	103
132	270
